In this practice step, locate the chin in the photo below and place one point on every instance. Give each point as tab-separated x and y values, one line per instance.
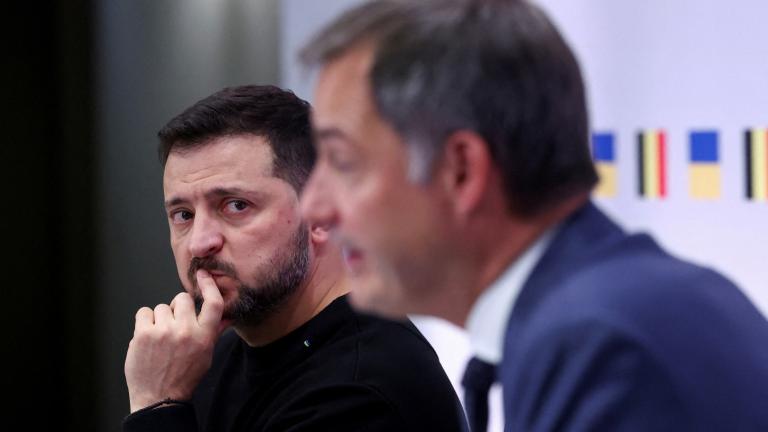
376	302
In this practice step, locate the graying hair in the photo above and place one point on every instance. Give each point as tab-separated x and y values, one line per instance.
496	67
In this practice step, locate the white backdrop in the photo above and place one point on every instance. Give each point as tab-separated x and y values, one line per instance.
679	65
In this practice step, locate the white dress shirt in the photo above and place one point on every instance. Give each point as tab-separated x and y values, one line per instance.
487	321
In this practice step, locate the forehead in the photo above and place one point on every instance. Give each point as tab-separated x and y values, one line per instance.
230	158
343	94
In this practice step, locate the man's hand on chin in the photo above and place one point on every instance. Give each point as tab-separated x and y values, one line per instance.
172	346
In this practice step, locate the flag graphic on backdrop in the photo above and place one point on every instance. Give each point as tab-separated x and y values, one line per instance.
652	163
756	149
604	153
704	169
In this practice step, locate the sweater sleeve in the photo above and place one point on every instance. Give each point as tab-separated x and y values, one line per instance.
171	418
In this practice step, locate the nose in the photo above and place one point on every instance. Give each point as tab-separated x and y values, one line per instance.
206	238
317	202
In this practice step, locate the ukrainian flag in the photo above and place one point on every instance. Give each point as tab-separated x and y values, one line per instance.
756	143
652	163
604	153
704	169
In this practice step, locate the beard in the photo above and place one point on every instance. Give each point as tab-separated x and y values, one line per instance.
277	281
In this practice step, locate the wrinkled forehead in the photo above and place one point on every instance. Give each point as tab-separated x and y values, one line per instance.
224	161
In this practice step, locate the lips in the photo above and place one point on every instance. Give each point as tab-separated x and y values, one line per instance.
353	258
220	273
224	281
352	254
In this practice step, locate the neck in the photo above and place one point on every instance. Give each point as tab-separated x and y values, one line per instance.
499	248
322	286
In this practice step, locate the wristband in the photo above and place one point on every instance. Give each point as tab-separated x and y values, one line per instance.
166	401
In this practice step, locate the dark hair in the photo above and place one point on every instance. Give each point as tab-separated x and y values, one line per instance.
277	115
496	67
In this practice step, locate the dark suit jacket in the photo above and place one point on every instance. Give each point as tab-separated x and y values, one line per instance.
610	333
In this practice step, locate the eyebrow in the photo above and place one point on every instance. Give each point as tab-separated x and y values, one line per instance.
331	133
214	193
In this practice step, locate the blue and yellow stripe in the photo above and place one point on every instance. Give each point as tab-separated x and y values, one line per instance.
704	170
604	154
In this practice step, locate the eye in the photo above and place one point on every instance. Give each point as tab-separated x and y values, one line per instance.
236	206
181	216
340	161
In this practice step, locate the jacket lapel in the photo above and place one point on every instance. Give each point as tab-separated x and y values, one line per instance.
580	237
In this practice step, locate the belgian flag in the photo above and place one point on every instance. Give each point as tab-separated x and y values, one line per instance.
652	163
756	151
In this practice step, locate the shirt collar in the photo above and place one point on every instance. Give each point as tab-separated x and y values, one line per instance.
488	318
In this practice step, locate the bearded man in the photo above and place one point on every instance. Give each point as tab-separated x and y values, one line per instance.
297	357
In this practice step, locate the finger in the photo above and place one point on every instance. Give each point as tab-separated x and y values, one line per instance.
183	308
145	318
213	304
223	325
163	315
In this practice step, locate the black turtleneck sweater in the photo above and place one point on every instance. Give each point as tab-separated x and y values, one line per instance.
341	371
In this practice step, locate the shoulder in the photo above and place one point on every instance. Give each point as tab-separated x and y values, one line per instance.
640	288
378	346
646	310
634	290
381	335
372	374
393	362
397	351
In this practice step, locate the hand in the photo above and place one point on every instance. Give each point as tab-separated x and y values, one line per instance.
172	348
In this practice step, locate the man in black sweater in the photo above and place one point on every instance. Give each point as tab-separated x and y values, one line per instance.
275	345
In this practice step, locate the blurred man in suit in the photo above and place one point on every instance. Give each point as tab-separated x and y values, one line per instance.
453	155
298	357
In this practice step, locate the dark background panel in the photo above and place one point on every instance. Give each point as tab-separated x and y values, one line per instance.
48	216
86	86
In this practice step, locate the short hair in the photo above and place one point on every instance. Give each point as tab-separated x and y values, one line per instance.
277	115
496	67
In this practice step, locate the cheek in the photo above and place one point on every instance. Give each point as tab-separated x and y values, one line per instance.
286	217
181	258
361	216
369	204
265	236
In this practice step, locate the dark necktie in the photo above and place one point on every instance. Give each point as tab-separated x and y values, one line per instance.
477	380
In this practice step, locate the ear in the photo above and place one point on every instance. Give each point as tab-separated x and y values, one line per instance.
465	171
319	235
